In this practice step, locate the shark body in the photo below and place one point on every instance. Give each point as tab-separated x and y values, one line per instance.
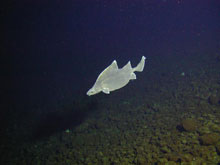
113	78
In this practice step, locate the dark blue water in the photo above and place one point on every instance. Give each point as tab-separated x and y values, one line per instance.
52	53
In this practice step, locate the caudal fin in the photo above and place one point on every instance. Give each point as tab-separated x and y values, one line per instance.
140	66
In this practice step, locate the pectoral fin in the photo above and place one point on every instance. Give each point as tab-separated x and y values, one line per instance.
106	90
133	76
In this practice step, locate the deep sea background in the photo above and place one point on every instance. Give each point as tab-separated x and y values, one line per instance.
53	51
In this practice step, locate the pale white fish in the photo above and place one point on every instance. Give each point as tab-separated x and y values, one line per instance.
113	78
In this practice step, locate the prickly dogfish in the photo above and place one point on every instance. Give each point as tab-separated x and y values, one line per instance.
113	78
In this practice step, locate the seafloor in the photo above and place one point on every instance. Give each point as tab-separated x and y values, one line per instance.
169	115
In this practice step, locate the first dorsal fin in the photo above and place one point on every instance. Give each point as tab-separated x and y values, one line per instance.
111	68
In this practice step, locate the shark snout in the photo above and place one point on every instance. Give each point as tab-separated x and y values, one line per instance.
91	92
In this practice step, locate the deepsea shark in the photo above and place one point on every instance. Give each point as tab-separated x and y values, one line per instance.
113	78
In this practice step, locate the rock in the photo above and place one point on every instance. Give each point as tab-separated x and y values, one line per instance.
215	128
180	157
218	148
189	125
210	138
173	157
141	161
162	161
165	149
171	163
214	99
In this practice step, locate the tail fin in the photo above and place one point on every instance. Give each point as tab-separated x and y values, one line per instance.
140	66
